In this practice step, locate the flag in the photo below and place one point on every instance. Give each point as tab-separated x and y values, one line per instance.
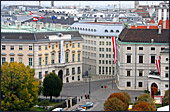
158	65
53	17
35	19
31	13
41	17
114	47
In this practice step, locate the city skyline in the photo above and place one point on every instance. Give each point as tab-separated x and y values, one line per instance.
79	3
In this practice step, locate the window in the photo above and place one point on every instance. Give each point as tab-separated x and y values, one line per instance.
166	68
20	47
46	47
99	70
162	48
3	60
140	48
52	46
66	59
140	73
167	59
140	59
72	45
128	73
78	44
103	70
52	58
30	48
67	71
166	85
103	61
128	84
99	61
53	71
110	62
106	62
78	70
152	59
3	47
78	57
39	48
46	60
128	59
66	45
140	84
20	59
117	31
40	61
111	31
109	70
73	57
30	61
152	48
73	71
73	78
106	70
128	48
107	49
166	75
11	59
40	75
106	31
78	78
46	72
12	47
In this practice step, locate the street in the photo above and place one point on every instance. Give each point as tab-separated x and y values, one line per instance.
98	94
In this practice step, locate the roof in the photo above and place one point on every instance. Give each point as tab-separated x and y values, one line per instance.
151	21
104	22
144	35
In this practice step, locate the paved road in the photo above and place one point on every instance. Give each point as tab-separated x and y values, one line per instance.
98	94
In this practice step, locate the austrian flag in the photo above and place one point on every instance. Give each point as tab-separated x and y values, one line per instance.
114	48
158	65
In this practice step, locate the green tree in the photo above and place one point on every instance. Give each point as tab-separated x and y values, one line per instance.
19	89
166	98
127	96
52	85
114	104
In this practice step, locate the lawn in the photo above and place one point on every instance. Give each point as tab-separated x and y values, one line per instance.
38	109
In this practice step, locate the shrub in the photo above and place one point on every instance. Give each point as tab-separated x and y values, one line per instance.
114	104
144	106
119	96
165	100
127	96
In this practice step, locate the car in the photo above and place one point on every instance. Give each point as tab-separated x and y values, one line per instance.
87	106
89	103
78	109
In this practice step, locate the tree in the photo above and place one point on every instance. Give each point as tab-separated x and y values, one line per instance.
166	98
143	106
52	85
127	96
19	89
114	104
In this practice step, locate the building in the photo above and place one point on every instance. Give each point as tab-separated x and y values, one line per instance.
137	50
45	48
162	12
136	4
97	45
160	82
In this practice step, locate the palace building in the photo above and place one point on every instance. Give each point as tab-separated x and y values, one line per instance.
44	49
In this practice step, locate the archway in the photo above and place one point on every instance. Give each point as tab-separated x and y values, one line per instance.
67	79
154	89
60	74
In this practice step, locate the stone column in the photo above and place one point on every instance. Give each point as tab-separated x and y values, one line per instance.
71	103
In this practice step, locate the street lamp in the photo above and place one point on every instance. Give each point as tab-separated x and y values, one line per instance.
89	80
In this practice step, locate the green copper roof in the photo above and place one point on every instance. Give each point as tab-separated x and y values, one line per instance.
119	42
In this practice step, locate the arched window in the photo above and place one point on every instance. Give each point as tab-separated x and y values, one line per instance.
83	28
106	31
91	29
111	31
94	30
117	31
86	29
80	28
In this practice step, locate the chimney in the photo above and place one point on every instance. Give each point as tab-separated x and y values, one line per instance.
159	29
19	26
38	26
152	40
147	25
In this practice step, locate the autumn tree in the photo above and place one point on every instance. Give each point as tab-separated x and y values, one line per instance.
127	96
114	104
166	98
143	106
52	85
19	89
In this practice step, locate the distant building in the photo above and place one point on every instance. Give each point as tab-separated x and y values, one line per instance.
97	45
136	4
162	12
45	48
137	50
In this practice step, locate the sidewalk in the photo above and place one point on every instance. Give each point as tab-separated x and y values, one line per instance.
81	103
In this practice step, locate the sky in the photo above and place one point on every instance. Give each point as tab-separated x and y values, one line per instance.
82	3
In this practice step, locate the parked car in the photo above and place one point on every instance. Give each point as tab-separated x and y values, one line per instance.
87	106
78	109
89	103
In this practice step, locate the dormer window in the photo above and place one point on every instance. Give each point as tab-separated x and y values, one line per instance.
106	31
111	31
117	31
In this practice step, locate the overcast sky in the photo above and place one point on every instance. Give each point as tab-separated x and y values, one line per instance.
82	3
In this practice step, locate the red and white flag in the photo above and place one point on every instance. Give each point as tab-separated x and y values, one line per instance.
35	19
41	17
31	13
158	65
114	48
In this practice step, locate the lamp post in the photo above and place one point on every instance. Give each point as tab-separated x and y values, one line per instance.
89	80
